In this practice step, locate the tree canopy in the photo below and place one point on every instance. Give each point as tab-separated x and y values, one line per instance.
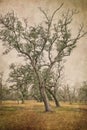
43	45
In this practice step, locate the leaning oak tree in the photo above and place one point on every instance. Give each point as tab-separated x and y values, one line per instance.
38	43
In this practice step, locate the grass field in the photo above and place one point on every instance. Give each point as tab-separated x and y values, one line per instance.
31	116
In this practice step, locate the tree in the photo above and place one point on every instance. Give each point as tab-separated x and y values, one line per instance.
37	43
4	91
19	79
53	84
69	94
6	95
83	92
34	91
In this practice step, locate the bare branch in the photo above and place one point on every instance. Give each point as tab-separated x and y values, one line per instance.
45	14
55	12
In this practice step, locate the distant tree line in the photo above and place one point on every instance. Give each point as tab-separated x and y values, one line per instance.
28	90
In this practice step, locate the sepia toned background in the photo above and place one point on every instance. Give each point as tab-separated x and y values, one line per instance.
76	65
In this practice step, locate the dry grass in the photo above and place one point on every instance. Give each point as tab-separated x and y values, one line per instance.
31	116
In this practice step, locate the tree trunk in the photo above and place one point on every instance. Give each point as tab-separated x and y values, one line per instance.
55	98
42	90
22	100
45	99
70	100
56	101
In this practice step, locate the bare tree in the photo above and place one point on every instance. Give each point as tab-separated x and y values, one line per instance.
40	42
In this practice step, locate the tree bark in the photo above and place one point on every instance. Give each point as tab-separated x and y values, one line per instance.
45	99
22	99
56	101
55	98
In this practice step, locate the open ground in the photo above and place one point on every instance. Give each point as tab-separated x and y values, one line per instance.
31	116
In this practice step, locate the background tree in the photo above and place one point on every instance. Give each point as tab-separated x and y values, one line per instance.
6	94
68	93
19	79
38	43
82	94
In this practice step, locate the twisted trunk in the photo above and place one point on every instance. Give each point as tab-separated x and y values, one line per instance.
54	97
42	90
45	99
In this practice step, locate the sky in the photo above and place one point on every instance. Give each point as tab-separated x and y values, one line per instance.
76	64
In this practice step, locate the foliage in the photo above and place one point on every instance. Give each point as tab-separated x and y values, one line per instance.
37	44
19	80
